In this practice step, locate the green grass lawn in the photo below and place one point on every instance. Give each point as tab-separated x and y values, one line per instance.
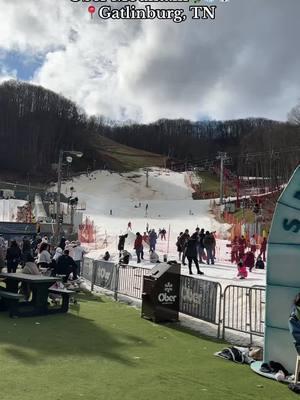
104	350
125	158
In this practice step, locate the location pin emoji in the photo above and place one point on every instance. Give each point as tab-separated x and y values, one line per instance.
91	10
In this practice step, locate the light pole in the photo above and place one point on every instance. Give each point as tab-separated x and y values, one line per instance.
59	168
222	157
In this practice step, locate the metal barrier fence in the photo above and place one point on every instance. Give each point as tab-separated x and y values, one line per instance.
201	299
130	280
244	310
238	308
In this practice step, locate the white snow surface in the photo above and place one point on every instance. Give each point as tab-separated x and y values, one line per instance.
171	206
9	208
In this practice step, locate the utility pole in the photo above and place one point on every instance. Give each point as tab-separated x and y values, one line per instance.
147	177
78	154
57	222
222	157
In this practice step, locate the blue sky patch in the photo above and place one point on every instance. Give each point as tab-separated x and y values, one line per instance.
25	65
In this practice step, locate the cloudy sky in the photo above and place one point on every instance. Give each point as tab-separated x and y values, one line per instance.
246	63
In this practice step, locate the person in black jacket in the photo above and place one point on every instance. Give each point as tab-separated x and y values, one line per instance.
26	250
13	257
191	255
183	239
66	265
121	243
209	243
259	263
62	243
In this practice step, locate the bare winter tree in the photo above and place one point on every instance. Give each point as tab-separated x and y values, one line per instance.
294	114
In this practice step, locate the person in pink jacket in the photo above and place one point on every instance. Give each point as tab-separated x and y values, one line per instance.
242	270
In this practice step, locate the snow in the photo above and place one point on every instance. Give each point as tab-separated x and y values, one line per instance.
169	197
9	208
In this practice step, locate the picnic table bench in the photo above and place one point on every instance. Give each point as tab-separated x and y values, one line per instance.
39	286
10	301
65	294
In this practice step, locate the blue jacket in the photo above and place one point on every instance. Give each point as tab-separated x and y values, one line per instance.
294	326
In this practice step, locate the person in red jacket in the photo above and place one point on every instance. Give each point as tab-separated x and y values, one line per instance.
263	248
138	247
234	250
242	246
249	260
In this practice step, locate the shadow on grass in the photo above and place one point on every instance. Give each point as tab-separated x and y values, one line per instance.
32	340
87	297
177	327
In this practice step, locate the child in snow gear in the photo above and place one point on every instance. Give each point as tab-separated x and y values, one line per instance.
259	263
242	270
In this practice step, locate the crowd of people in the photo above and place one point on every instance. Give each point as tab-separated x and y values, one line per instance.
38	255
244	254
197	248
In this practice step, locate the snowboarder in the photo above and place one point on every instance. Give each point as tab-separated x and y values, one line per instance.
110	212
129	226
146	209
147	227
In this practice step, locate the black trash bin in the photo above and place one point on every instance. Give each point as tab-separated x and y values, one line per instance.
160	298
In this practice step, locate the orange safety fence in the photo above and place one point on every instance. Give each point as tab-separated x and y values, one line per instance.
87	232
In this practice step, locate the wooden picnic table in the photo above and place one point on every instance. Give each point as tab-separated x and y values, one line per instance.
39	286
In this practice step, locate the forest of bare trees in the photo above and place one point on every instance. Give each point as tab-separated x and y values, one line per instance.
35	123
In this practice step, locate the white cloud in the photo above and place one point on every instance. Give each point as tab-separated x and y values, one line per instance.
245	63
6	74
